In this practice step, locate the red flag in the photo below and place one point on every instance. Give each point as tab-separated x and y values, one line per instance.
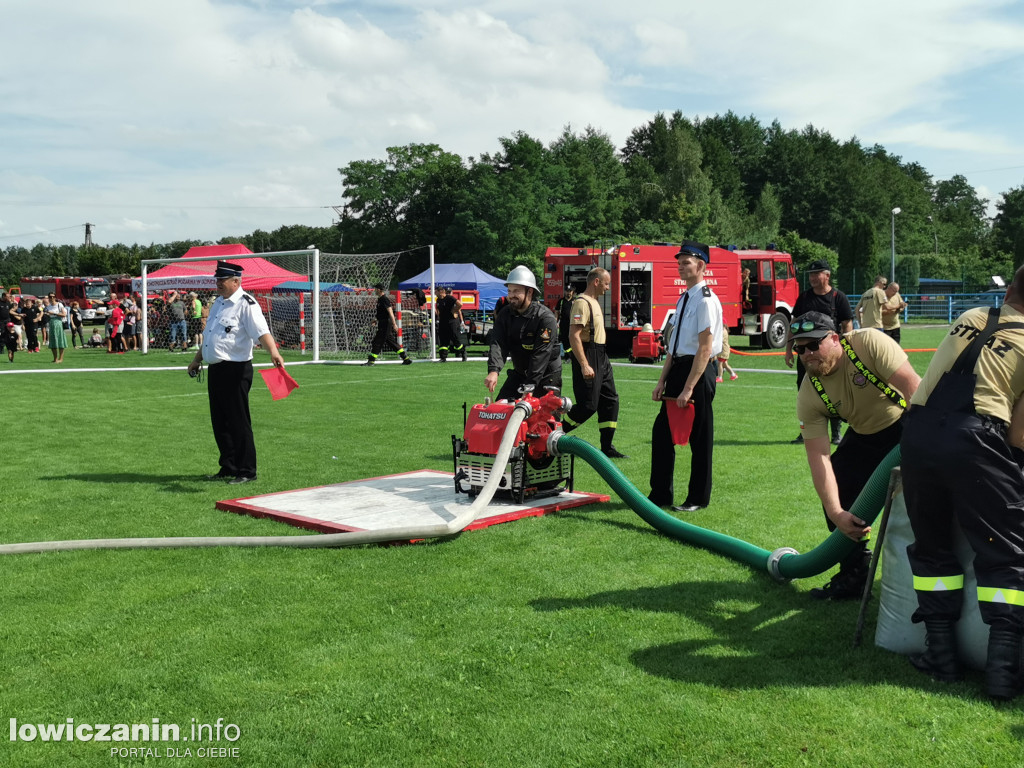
278	381
680	421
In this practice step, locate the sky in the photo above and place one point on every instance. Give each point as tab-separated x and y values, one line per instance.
201	119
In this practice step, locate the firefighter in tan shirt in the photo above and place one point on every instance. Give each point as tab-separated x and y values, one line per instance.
962	462
864	378
894	304
593	385
869	308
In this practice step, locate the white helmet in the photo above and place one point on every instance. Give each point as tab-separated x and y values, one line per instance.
523	276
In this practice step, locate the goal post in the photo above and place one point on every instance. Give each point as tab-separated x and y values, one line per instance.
321	300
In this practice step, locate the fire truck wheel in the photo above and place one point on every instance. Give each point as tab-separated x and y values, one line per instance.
776	331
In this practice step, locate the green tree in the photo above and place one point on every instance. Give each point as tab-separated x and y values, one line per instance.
1008	226
594	181
406	200
666	183
959	214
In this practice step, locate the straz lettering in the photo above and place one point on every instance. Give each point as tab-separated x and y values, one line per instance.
488	415
970	332
966	331
1001	350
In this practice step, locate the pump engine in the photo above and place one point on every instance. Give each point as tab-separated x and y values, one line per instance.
531	470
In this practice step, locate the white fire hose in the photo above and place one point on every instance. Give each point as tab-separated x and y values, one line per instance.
460	520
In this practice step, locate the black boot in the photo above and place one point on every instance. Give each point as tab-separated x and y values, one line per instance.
1003	667
609	450
371	360
848	583
939	659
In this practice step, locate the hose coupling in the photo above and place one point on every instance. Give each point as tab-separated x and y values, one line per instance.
775	558
553	439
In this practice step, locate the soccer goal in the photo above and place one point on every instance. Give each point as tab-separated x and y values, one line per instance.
322	304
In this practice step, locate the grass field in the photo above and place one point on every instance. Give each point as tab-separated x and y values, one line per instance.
581	638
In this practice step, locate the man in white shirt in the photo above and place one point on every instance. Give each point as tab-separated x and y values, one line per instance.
688	376
235	324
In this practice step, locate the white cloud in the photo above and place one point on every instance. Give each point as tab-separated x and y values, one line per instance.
115	105
134	226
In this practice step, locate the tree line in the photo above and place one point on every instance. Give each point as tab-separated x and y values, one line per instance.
723	180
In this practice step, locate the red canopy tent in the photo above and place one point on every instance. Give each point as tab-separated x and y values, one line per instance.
257	274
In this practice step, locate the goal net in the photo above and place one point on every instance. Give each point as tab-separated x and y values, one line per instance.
338	322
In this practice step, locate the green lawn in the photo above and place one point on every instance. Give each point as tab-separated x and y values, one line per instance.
581	638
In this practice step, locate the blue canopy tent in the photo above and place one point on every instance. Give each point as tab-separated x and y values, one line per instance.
461	277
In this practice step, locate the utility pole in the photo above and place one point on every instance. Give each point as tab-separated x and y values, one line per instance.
88	234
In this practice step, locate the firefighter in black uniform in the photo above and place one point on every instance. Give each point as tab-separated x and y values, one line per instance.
235	324
525	331
962	461
449	325
387	329
593	385
563	313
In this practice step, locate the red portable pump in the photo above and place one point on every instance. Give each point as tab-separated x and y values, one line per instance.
647	346
531	470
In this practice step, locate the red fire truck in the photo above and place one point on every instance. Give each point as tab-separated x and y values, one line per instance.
91	293
645	287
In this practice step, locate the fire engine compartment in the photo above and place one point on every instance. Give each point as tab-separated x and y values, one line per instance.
645	287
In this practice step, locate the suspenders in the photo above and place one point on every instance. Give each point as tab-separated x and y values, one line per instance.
884	388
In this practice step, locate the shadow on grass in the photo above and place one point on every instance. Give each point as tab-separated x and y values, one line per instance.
175	483
757	634
634	524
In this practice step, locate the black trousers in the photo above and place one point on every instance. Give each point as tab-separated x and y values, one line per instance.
893	333
449	336
853	463
384	340
597	395
959	466
228	390
702	438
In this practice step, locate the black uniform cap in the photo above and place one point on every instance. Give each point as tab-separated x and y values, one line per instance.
224	269
693	248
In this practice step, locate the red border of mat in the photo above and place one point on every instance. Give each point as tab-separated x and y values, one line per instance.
554	504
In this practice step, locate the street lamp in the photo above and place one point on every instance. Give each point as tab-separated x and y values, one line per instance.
892	266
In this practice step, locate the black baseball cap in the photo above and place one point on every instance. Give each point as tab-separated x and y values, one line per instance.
819	266
811	325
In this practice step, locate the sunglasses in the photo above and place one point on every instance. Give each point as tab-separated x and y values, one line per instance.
810	346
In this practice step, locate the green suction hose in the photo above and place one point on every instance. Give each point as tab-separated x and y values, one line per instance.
783	563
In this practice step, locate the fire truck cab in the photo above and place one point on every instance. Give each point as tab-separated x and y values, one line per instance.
91	293
645	287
